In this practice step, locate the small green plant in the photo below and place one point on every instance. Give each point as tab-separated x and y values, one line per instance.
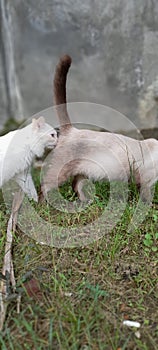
150	242
96	291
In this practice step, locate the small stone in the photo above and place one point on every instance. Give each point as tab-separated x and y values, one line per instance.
131	323
137	334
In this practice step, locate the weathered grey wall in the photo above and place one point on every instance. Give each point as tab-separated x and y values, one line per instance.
113	44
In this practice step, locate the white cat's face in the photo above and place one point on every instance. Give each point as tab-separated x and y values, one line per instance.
44	136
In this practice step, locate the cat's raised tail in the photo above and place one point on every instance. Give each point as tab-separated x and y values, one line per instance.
60	101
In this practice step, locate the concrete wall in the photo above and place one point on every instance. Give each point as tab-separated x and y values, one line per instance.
113	44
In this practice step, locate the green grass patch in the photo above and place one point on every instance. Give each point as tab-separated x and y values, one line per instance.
87	291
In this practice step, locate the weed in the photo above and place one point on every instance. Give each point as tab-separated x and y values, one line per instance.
151	242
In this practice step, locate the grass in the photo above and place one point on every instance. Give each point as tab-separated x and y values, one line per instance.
86	291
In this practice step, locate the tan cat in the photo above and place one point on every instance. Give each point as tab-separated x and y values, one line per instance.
93	154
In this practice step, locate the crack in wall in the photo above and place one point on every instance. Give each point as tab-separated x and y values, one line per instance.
14	105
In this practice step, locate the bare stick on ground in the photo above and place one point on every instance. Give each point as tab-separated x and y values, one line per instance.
8	285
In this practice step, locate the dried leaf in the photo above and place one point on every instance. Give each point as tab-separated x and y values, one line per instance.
33	289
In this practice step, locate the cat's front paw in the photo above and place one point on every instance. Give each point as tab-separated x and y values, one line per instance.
33	196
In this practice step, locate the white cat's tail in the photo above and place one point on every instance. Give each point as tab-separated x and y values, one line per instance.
61	71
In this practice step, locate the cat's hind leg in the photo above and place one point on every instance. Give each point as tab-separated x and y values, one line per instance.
77	185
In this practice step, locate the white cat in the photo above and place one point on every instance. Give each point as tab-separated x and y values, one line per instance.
19	148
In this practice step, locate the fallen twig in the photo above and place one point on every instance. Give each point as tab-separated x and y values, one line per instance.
8	285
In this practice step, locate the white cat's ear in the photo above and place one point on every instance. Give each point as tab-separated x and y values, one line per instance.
38	123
